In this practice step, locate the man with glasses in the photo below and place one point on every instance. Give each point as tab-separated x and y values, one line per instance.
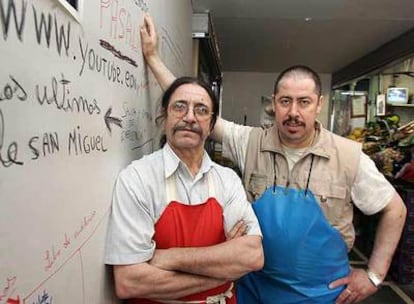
181	228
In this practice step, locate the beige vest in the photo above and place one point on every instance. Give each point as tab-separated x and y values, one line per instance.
335	165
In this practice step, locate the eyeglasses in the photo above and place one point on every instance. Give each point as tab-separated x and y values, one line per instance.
180	108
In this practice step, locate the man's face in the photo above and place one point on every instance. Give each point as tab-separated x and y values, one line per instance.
188	117
296	106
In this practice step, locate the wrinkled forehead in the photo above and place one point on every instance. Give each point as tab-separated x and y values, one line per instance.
296	83
191	93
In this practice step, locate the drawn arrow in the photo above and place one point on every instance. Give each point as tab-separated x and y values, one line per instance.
109	119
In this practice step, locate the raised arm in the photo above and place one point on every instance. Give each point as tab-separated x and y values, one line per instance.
149	43
146	281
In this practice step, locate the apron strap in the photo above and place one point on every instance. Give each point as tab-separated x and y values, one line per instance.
211	189
216	299
171	187
274	173
309	175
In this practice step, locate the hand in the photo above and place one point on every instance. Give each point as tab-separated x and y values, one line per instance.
358	287
149	38
238	230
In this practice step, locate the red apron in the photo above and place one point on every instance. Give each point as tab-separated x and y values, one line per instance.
183	225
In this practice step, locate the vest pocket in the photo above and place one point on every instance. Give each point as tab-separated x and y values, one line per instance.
257	185
337	207
332	199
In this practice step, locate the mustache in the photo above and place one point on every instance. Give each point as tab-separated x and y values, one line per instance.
293	120
188	127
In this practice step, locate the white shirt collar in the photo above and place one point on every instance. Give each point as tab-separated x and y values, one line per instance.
172	162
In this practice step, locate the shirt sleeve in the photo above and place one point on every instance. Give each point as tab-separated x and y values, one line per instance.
371	191
236	205
235	141
131	227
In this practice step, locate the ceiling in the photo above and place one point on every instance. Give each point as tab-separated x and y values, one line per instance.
327	35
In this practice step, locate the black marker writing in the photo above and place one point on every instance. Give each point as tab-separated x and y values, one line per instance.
5	18
10	157
79	143
58	94
44	26
11	90
48	145
98	63
44	298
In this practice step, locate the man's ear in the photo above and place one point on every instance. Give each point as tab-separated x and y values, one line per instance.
274	103
320	104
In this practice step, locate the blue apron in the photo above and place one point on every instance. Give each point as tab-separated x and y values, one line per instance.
303	252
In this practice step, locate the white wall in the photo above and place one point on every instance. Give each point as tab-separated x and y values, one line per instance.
77	104
242	94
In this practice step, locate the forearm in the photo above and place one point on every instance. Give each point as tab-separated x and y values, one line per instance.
218	131
149	282
229	260
149	44
163	75
387	236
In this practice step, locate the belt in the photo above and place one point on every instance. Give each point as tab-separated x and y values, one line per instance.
216	299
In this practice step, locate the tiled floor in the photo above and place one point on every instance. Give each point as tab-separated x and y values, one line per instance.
391	292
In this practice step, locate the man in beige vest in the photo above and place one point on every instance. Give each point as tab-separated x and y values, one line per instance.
304	182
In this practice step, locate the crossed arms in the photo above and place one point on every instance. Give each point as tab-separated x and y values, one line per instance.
178	272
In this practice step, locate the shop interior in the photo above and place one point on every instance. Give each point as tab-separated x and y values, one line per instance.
377	110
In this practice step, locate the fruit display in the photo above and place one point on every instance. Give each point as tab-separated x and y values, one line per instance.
383	139
384	160
357	134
